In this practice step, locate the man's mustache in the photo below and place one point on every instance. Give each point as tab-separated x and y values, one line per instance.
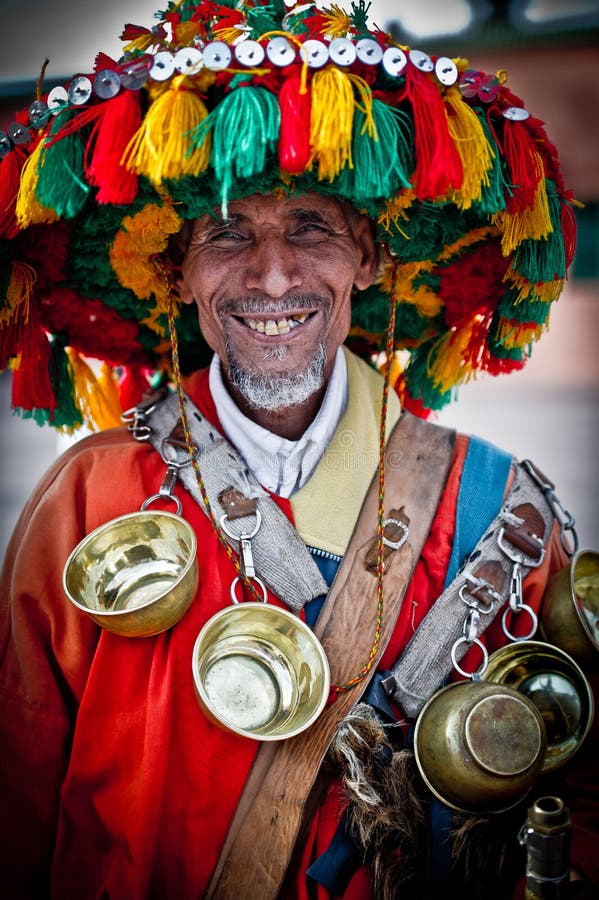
243	306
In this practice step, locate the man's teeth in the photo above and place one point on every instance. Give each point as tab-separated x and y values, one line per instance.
280	326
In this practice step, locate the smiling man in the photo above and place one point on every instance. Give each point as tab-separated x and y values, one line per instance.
298	194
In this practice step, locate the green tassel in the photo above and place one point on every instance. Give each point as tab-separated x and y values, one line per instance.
380	165
66	415
430	228
525	311
493	194
545	259
61	184
419	382
370	311
245	128
264	18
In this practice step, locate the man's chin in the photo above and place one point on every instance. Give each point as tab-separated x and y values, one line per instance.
272	388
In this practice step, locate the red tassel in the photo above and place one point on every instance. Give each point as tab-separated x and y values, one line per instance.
132	386
118	120
568	222
438	164
10	174
524	163
31	384
294	135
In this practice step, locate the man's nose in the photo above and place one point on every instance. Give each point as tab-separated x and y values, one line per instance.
273	268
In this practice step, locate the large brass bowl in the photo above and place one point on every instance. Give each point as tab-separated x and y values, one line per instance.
136	575
479	747
552	680
259	671
570	611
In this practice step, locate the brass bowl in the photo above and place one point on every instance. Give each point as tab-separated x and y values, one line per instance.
259	671
552	680
136	575
479	747
570	610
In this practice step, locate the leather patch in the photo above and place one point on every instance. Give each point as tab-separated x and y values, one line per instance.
493	576
235	504
394	533
529	535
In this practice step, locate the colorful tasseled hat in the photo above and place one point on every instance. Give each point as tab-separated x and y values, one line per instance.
222	100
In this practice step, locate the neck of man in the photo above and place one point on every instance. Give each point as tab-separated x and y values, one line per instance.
289	422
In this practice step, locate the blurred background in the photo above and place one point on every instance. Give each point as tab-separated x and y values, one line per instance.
550	48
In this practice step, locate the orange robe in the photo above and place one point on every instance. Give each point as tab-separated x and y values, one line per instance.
114	784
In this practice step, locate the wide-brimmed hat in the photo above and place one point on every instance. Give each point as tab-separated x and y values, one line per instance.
219	101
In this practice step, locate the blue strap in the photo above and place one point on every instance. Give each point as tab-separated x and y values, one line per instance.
482	488
485	474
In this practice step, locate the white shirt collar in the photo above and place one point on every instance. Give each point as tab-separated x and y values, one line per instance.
280	465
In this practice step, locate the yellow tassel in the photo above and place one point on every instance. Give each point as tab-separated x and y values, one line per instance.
513	335
161	148
475	152
545	292
467	240
398	281
98	409
331	122
446	363
18	294
185	32
534	222
28	209
337	22
363	89
395	210
135	248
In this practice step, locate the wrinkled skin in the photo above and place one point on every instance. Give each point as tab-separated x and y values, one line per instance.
276	260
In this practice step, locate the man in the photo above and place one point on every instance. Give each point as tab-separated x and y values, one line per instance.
117	784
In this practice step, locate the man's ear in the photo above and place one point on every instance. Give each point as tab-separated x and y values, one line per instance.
176	250
369	262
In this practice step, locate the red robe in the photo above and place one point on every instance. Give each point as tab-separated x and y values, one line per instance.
115	785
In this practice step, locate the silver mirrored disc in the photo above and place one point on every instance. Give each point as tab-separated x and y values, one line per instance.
5	144
135	74
249	53
280	52
38	113
469	83
163	66
488	88
107	84
217	56
19	134
394	61
316	53
369	52
342	51
516	113
446	71
421	60
188	60
80	90
57	99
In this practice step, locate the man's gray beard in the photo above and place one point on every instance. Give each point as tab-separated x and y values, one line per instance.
272	392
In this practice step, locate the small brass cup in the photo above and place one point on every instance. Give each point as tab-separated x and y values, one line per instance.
259	671
479	747
136	575
570	610
552	680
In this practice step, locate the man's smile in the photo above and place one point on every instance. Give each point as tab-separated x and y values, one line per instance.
272	324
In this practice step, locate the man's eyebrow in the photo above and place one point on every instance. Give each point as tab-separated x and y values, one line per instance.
305	214
217	222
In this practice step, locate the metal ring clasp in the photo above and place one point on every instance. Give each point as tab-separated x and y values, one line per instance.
523	607
255	580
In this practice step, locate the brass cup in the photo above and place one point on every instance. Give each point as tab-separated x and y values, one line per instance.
570	610
550	679
136	575
479	747
259	671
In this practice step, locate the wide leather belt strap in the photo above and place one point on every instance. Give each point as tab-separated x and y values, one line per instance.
269	817
426	661
282	559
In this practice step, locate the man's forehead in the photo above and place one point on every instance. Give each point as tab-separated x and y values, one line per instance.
261	206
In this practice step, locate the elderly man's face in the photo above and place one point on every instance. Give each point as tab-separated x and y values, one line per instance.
273	285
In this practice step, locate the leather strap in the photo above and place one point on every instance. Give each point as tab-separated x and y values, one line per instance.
264	831
523	524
